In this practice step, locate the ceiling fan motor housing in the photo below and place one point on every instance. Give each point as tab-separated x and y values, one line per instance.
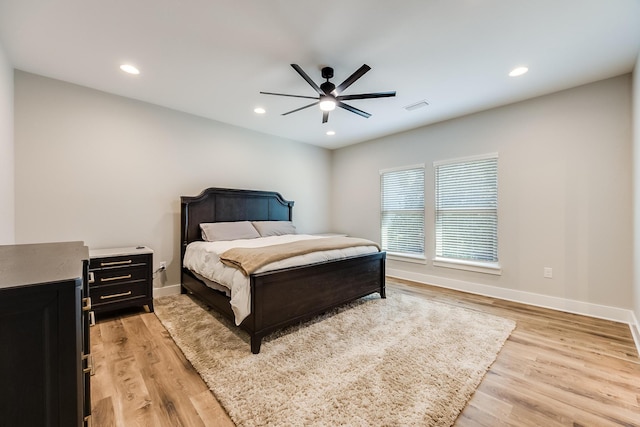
327	73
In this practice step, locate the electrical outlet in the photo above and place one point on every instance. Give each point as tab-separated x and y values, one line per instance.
548	272
163	266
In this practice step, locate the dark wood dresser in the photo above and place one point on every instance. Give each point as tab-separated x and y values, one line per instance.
121	277
44	335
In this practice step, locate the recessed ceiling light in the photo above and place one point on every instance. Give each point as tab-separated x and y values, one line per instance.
129	69
518	71
259	110
331	132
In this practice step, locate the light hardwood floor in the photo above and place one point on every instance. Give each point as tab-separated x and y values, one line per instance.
556	369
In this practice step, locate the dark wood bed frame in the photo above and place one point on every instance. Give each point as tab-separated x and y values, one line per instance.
283	297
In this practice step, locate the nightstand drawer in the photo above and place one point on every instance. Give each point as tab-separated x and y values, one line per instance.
113	276
118	261
116	293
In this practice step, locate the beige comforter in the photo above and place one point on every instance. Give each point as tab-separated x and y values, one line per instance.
248	260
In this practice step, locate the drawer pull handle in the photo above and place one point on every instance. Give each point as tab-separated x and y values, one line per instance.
108	279
106	264
86	304
89	359
92	278
123	294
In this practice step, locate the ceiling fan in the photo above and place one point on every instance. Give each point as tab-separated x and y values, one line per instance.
329	96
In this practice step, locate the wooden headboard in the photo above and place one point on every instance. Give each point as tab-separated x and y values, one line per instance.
226	204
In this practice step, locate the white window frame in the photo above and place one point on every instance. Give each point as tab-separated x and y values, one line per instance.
404	256
489	267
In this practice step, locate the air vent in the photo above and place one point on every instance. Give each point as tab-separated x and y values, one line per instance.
417	105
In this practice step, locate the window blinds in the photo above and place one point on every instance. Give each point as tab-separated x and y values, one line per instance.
467	209
402	209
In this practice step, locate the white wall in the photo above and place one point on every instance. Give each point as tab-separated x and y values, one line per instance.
110	170
7	199
565	191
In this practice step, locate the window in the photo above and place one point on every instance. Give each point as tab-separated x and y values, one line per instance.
402	211
466	210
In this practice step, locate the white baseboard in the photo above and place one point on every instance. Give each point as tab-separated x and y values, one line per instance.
539	300
635	330
166	290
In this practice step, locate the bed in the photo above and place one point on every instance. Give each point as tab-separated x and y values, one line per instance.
285	296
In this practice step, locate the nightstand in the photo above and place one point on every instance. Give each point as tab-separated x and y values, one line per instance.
121	277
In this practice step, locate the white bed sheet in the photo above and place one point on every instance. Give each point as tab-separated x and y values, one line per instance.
203	258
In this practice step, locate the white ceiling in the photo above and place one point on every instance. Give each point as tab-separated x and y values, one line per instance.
211	58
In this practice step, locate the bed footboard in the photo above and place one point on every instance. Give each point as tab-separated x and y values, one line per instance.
293	295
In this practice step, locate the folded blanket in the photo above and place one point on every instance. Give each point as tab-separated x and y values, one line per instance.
248	260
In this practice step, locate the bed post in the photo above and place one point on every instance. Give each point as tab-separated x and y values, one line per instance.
256	341
383	293
184	224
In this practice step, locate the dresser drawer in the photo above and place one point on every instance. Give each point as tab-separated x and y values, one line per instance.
113	276
116	293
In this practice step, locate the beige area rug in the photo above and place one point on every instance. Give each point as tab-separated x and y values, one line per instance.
400	361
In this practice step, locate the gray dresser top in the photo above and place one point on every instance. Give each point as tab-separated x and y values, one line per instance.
41	263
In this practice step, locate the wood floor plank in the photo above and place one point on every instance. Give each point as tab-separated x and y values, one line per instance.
211	413
556	369
485	410
103	413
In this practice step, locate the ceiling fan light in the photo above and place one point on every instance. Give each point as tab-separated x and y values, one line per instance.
327	103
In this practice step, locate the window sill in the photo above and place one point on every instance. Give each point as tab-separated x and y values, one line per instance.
417	259
479	267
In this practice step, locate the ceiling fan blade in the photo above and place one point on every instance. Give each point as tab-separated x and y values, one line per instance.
325	116
307	78
352	78
293	96
366	95
354	110
301	108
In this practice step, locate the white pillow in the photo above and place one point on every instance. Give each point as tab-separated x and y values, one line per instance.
274	228
216	231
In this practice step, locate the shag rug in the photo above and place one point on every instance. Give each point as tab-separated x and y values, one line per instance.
399	361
